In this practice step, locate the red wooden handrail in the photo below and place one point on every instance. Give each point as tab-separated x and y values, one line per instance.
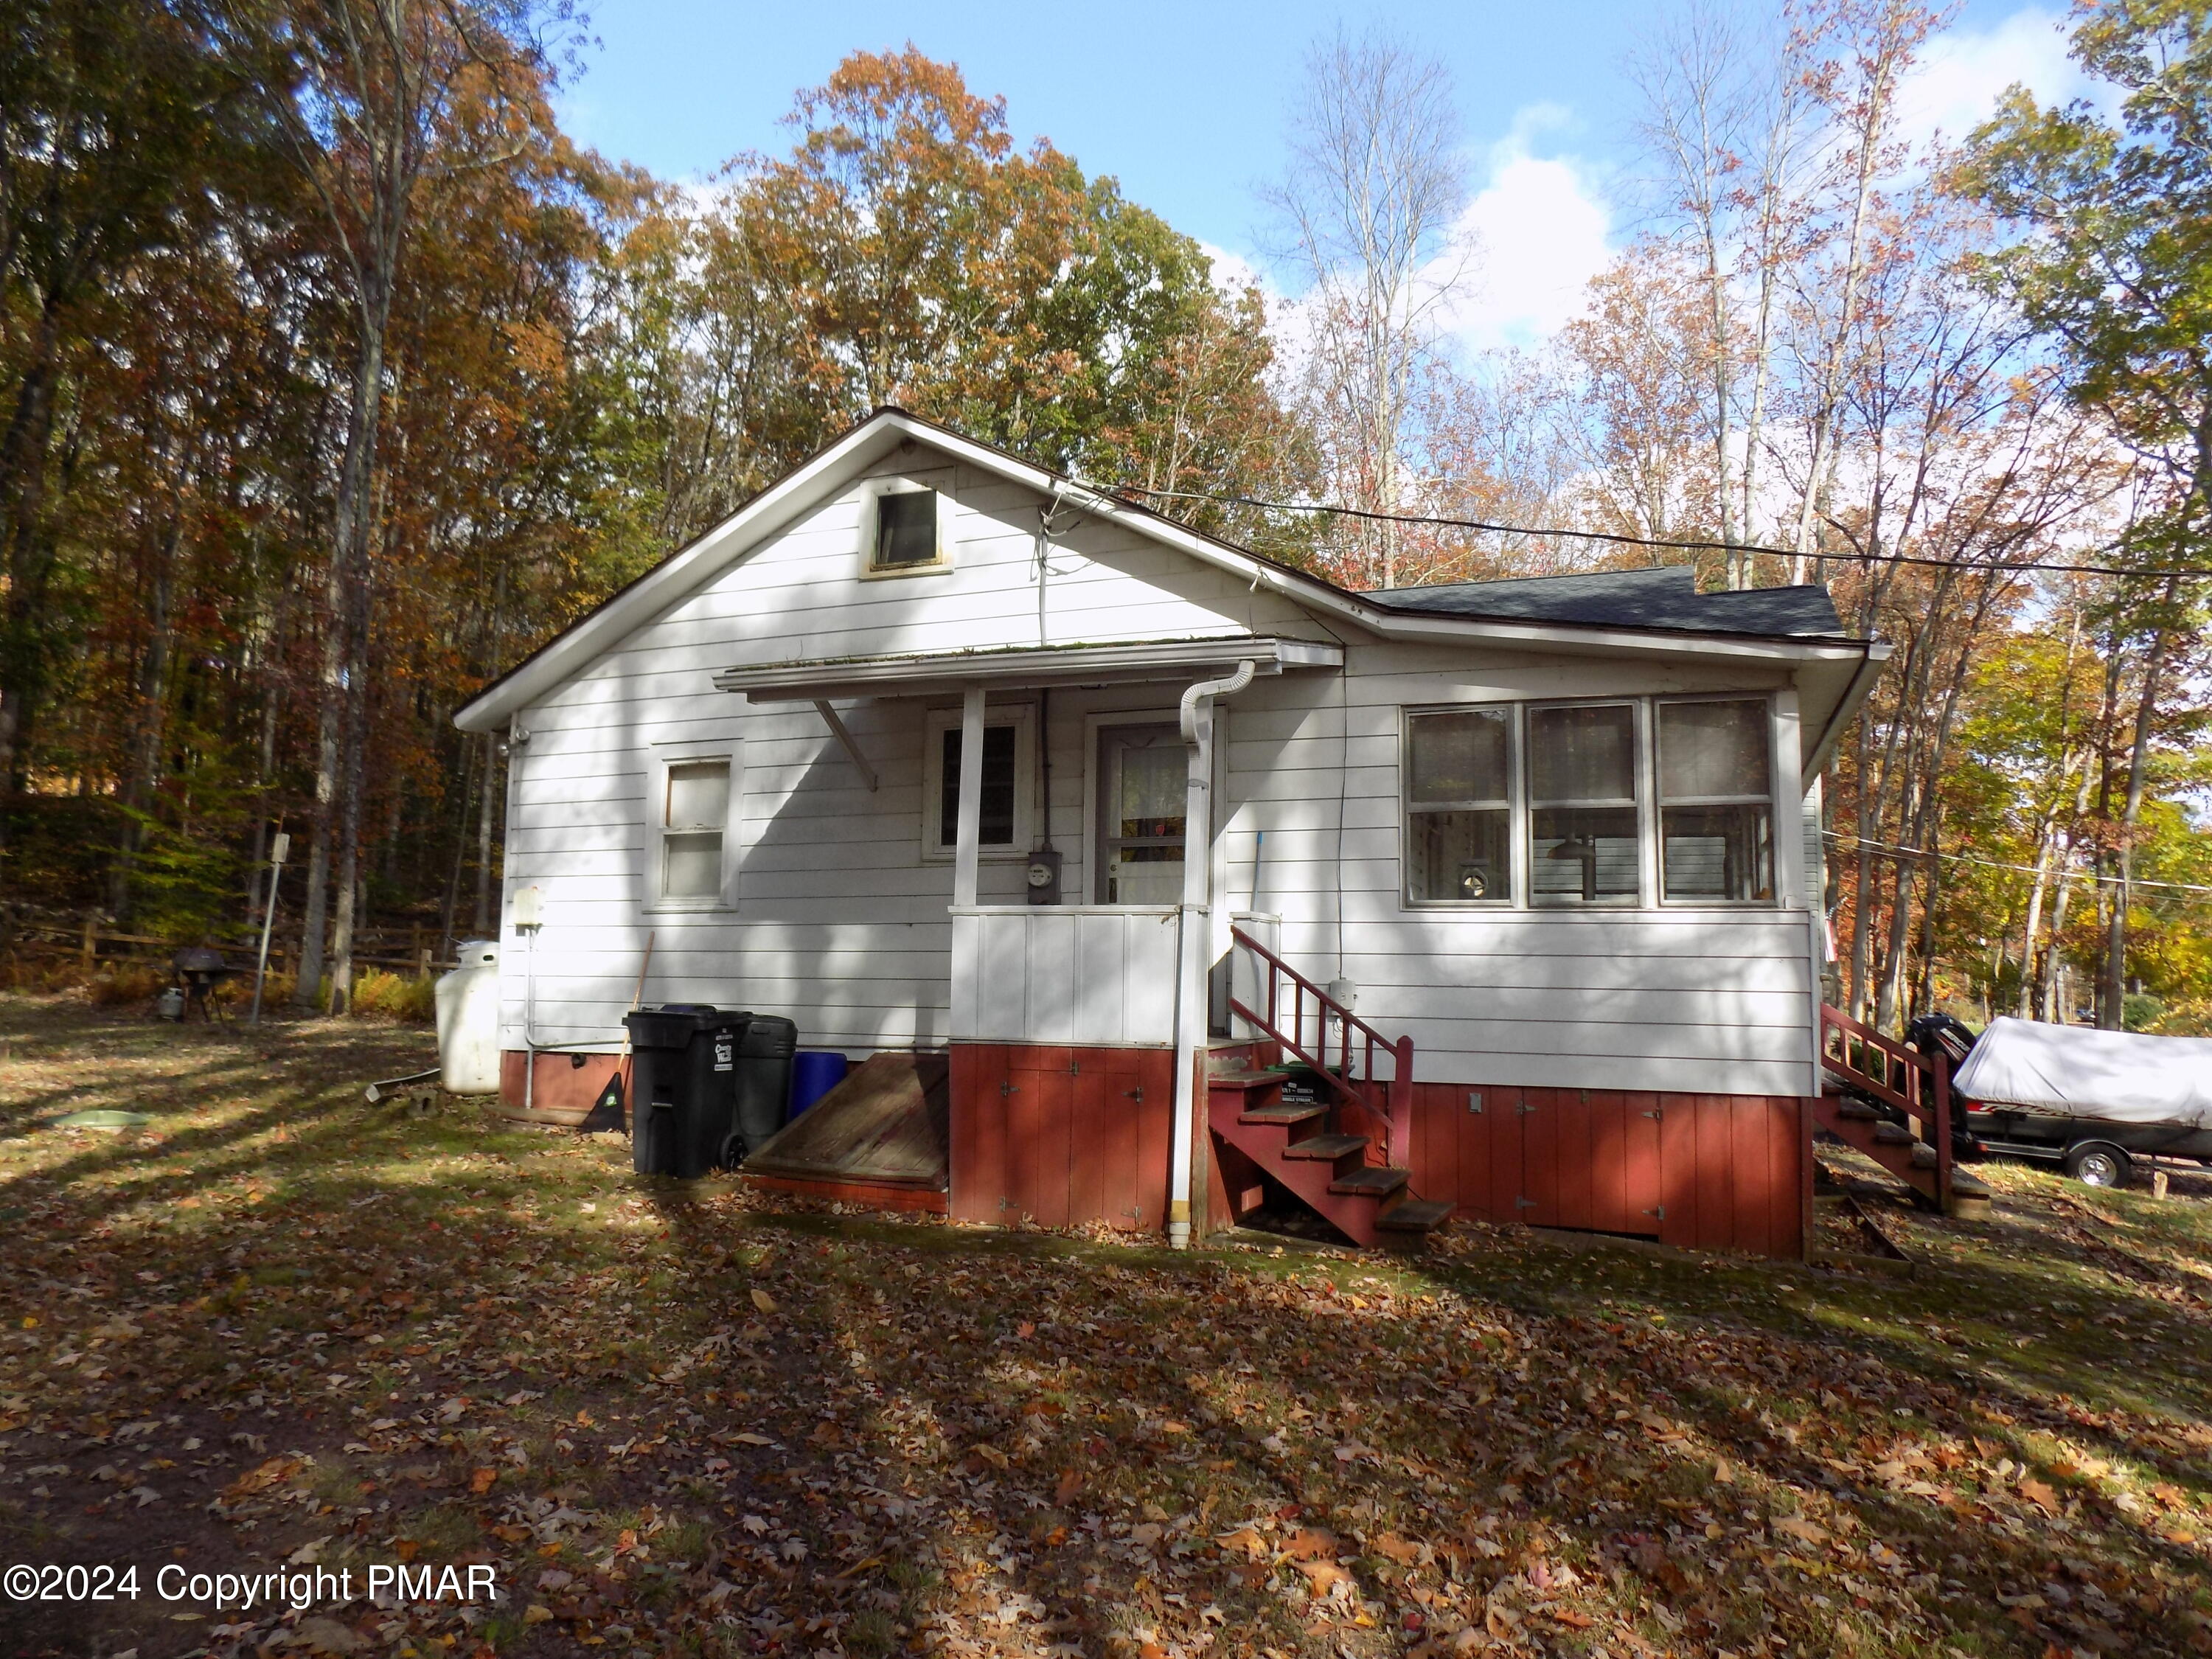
1926	1079
1396	1103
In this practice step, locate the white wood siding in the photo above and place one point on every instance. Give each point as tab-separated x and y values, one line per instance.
842	924
1717	1000
1101	977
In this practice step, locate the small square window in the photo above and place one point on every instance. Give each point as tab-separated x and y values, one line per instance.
906	530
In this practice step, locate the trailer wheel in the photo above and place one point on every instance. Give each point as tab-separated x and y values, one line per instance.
2097	1164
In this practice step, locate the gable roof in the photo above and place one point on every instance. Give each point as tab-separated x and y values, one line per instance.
1665	597
675	578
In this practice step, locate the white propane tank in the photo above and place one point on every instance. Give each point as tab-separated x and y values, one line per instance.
468	1022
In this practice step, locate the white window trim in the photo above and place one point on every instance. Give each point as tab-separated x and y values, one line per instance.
1776	818
1516	854
1639	717
1788	879
939	480
656	828
1022	716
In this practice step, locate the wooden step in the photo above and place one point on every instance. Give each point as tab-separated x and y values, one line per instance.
1374	1180
1894	1134
1846	1107
1325	1149
1265	1078
1287	1112
1968	1186
1415	1215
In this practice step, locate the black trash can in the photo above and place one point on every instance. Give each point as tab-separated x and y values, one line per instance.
683	1058
764	1078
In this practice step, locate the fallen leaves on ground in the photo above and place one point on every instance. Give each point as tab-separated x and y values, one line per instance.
699	1420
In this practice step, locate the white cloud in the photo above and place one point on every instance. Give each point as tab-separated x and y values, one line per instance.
1956	85
1537	231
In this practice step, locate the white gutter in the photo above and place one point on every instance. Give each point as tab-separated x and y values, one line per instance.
1191	936
1854	694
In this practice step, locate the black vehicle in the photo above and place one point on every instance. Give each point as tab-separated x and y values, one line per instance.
2096	1137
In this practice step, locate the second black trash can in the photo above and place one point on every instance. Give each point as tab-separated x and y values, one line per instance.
764	1078
683	1086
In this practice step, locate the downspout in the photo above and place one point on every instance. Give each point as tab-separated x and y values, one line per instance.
1192	936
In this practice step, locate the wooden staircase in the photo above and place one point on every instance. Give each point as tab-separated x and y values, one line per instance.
1336	1157
1894	1104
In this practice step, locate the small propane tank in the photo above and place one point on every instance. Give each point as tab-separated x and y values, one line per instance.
170	1004
468	1022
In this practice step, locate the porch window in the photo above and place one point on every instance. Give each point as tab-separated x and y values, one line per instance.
1144	789
1583	835
1008	764
695	815
1716	802
906	531
1458	807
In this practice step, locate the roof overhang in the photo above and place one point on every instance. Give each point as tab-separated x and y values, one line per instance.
876	439
1829	695
930	674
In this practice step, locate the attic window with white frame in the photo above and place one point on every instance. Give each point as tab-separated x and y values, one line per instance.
695	817
906	533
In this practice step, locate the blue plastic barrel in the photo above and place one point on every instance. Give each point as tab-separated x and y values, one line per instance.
814	1073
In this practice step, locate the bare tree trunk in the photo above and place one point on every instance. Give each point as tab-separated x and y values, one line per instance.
2111	1001
144	778
1375	182
489	804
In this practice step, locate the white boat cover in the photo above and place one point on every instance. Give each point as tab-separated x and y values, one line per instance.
2074	1070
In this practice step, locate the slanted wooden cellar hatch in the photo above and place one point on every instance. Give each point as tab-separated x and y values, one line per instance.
881	1137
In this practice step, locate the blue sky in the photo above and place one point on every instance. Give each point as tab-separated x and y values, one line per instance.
1184	103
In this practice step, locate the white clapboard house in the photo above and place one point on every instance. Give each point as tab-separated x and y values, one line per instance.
941	754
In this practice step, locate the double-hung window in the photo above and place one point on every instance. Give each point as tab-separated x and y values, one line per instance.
1459	808
1585	838
695	817
1715	801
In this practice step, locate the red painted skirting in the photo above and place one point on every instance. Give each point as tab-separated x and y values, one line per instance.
1063	1136
1709	1172
564	1091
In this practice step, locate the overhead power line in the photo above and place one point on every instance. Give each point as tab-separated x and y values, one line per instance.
1991	864
1685	544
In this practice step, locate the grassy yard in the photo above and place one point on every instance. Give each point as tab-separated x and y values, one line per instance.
279	1327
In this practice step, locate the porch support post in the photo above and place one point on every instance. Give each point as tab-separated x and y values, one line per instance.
968	847
1194	939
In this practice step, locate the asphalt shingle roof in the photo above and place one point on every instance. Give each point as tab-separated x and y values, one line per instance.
1665	597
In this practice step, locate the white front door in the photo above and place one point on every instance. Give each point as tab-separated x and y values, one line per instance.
1143	777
